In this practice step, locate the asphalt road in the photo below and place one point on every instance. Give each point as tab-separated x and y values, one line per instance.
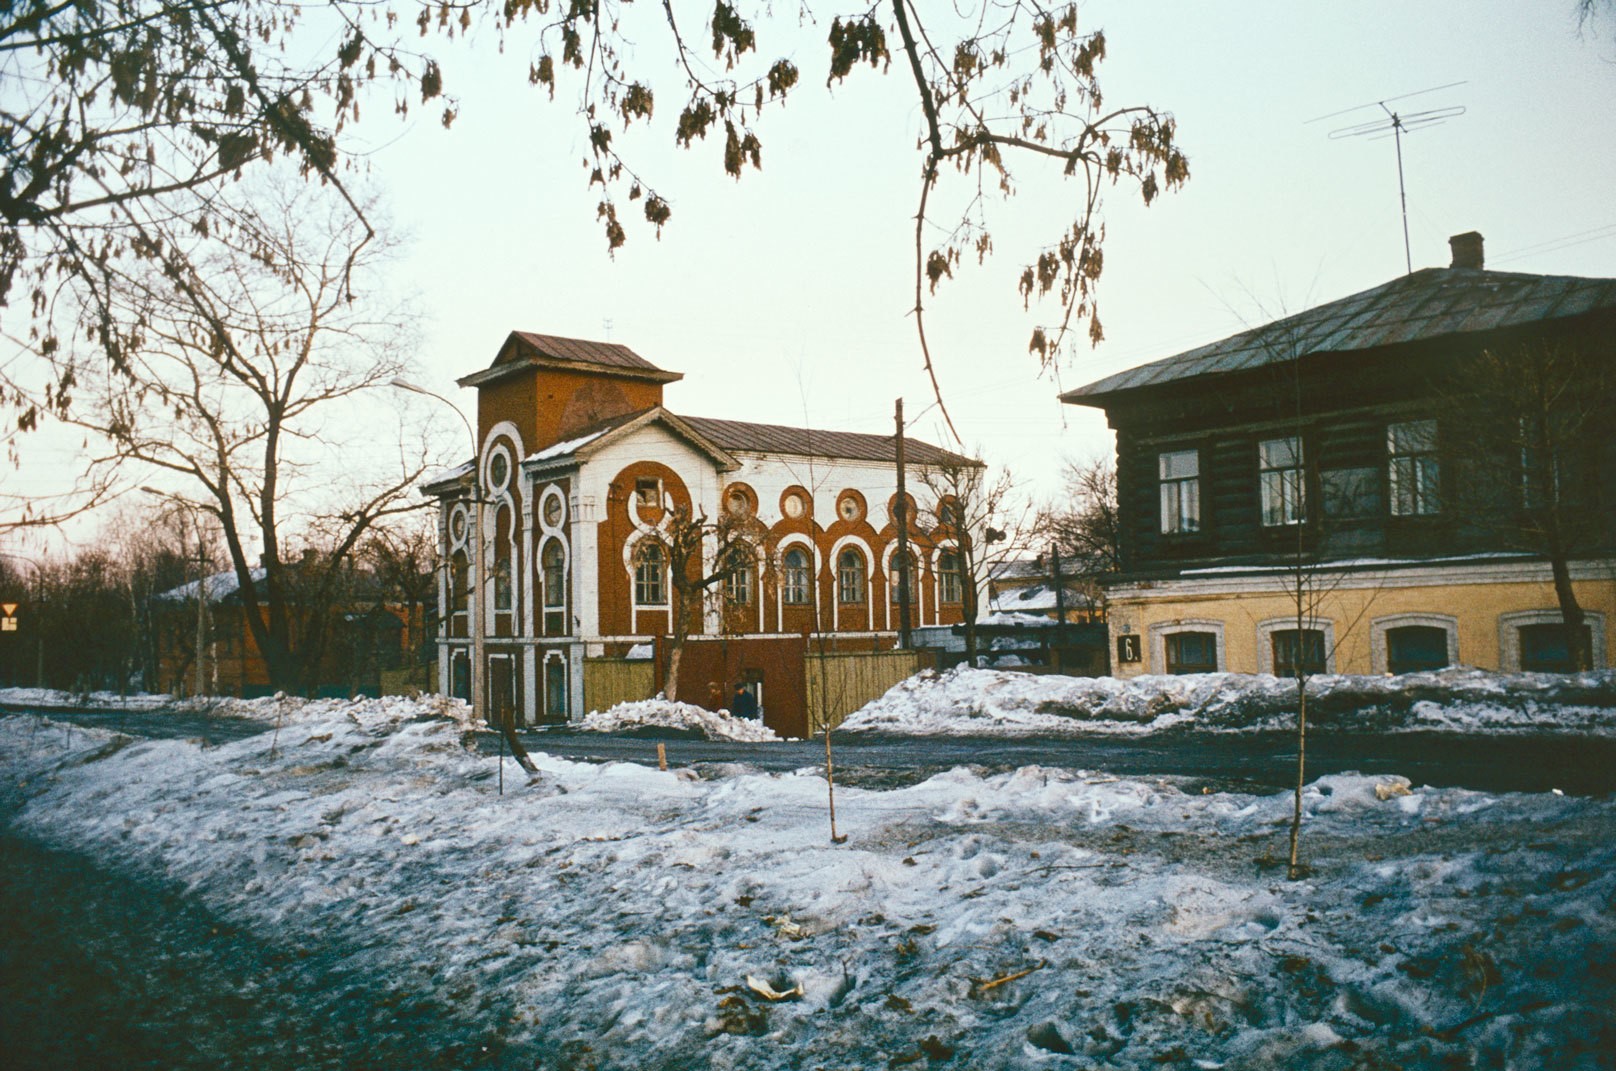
1238	762
1258	762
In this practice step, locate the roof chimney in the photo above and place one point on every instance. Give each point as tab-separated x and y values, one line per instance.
1466	250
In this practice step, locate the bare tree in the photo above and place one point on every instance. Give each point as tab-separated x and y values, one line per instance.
254	351
702	554
980	521
125	113
1528	425
1083	527
1084	523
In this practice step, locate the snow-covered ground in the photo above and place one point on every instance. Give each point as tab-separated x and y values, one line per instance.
619	917
998	703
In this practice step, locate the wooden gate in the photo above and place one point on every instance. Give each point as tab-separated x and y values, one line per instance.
610	681
839	684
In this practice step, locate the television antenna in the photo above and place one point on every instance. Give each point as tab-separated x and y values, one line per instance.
1393	125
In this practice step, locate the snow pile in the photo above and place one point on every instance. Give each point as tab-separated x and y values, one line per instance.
55	699
660	713
617	916
989	702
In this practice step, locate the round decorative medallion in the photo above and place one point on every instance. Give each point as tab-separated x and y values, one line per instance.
457	526
499	470
794	506
552	511
849	508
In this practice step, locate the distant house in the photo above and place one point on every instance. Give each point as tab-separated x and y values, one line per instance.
1348	447
1028	586
368	635
579	471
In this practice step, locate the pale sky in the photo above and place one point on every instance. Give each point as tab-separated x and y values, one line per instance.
784	298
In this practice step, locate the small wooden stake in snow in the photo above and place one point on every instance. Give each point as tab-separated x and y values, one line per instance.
661	756
830	788
982	987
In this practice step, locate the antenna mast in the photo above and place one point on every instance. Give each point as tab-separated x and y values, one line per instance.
1394	125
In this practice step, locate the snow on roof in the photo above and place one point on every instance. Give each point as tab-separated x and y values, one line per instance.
562	449
220	586
1036	598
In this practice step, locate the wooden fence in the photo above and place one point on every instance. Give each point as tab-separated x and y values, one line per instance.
839	684
609	681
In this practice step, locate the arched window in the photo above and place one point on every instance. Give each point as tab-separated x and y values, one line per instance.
651	574
850	576
950	586
502	584
738	582
552	564
794	577
894	584
459	583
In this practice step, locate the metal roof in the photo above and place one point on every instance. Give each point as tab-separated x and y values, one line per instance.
609	354
810	442
728	435
1428	304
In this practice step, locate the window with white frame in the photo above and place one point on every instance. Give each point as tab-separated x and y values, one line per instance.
904	579
1279	465
1540	462
794	577
651	574
648	492
850	576
950	581
1191	652
1413	642
1180	474
504	590
553	567
459	583
738	581
1298	651
1413	472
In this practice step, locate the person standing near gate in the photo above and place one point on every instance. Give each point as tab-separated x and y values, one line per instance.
743	704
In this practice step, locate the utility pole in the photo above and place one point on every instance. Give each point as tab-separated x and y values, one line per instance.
902	517
1060	588
474	600
201	609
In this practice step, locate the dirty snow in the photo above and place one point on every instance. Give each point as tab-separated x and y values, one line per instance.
966	701
661	713
615	916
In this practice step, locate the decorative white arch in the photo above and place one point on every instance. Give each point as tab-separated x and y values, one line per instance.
1163	629
1379	626
1265	640
947	543
1509	634
920	589
815	565
631	547
870	561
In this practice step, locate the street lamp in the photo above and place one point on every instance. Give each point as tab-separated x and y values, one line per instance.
475	615
201	586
